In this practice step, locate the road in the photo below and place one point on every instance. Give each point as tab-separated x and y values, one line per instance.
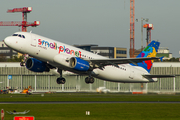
87	102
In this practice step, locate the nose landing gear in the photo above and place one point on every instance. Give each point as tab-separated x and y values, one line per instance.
23	62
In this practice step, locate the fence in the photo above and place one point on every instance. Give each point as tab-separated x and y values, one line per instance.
22	78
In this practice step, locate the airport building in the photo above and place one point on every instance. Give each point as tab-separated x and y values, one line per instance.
109	52
6	52
164	51
16	77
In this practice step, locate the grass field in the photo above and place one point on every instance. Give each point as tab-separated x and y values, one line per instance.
114	111
88	97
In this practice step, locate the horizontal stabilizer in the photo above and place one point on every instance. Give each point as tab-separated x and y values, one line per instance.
159	76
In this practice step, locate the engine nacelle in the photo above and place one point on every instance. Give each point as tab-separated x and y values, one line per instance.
79	64
36	65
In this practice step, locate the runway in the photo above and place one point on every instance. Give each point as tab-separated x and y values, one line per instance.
89	102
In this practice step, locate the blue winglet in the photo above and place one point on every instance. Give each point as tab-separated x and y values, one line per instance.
161	58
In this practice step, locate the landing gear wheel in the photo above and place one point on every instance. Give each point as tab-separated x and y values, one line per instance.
61	80
22	64
89	80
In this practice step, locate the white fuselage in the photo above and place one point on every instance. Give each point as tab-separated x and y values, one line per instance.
56	53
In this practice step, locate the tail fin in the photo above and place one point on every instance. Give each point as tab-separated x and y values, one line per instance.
149	51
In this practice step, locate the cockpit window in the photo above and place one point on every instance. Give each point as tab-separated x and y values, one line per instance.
19	35
15	34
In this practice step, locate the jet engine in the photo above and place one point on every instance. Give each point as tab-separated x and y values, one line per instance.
36	65
79	64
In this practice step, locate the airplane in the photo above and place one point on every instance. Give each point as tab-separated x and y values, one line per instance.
49	54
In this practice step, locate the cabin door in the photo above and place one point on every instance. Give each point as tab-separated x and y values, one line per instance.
33	41
131	73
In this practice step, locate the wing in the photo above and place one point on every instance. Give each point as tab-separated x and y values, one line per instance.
104	62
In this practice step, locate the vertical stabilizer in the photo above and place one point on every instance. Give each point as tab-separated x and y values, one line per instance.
149	51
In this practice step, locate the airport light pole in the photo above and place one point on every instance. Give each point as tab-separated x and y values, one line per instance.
142	19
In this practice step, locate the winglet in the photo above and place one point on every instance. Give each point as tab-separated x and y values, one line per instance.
161	58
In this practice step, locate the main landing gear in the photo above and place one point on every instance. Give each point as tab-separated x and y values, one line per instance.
60	80
89	80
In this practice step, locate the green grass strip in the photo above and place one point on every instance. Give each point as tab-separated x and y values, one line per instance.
124	111
87	97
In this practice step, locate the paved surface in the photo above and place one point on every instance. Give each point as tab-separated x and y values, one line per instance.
95	102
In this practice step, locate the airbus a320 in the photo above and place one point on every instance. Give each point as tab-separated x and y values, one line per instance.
49	54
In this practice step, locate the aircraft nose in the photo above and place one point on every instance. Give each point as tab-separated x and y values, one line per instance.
7	41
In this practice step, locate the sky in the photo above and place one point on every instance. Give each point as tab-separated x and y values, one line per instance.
102	22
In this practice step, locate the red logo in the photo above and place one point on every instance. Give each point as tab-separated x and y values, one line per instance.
2	114
24	118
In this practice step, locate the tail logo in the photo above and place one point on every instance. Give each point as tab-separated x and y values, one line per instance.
149	51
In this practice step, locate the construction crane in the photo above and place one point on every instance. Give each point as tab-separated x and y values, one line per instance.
24	24
148	27
131	29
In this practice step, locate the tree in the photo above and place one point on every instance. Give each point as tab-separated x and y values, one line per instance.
3	58
16	59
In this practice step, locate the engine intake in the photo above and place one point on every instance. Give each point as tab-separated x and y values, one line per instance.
79	64
36	65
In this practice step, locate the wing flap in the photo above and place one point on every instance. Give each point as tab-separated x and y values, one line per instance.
115	62
158	76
